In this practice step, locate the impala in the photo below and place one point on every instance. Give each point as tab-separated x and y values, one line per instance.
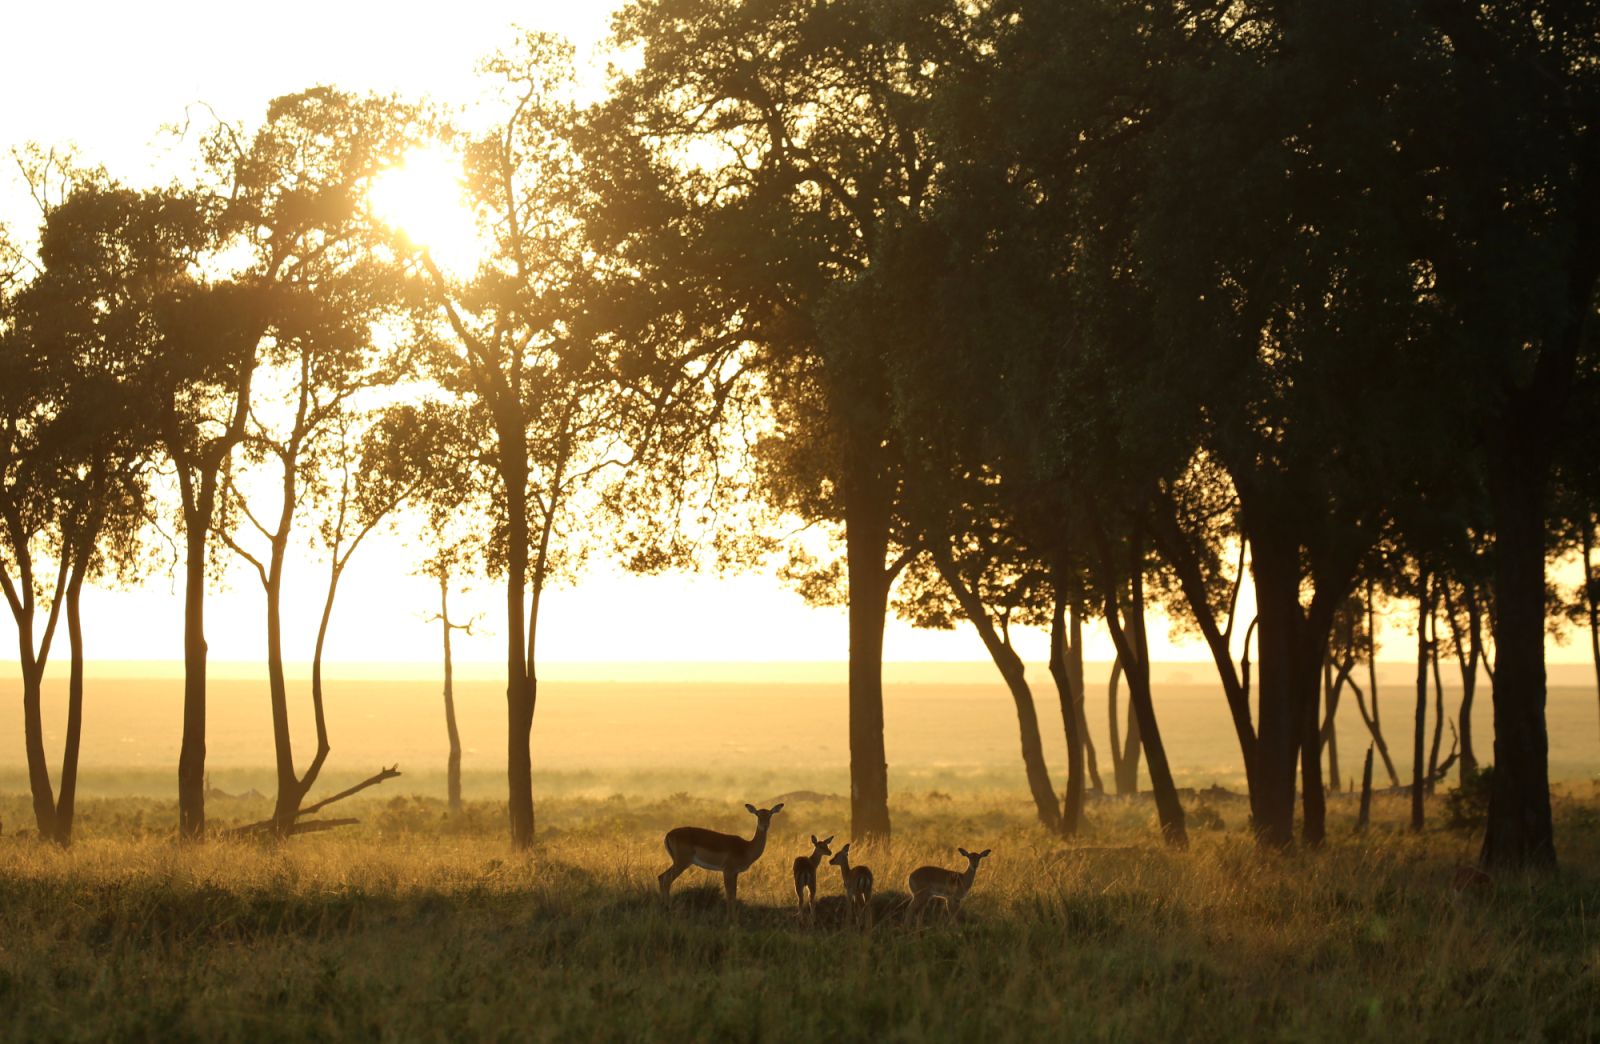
857	886
928	883
729	853
805	876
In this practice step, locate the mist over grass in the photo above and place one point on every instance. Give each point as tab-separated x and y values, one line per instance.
415	926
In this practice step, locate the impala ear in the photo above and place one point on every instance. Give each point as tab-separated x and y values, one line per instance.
985	853
828	840
750	808
814	839
777	808
964	853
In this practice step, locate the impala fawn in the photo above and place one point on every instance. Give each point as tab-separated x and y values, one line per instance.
928	883
857	886
805	876
729	853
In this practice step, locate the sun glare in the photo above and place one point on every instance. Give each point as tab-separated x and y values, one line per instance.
424	199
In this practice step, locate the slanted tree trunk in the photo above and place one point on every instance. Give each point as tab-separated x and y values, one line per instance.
1424	603
1329	733
1133	647
1070	691
1469	683
1373	723
1469	652
998	642
1179	553
66	802
1124	746
1075	672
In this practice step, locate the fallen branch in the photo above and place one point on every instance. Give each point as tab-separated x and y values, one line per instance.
267	824
389	773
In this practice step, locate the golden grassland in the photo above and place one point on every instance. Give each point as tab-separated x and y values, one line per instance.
415	926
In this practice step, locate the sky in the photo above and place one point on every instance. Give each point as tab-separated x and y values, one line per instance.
109	75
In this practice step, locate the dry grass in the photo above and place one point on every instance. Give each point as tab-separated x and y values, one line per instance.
416	928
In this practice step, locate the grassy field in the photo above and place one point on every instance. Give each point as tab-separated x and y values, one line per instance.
412	927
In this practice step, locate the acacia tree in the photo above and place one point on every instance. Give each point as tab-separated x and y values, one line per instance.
783	141
75	446
1512	176
520	341
975	566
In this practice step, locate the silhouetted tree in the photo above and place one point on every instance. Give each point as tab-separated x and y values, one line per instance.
785	141
76	445
521	341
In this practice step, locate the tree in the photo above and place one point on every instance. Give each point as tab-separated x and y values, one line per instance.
1512	178
783	141
522	340
75	447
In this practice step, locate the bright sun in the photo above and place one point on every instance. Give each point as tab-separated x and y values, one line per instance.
424	199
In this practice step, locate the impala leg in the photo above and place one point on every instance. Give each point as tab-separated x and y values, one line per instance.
669	875
730	884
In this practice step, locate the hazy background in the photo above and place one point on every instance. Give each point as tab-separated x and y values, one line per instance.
746	731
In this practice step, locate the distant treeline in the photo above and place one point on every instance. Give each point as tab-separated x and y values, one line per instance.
1022	312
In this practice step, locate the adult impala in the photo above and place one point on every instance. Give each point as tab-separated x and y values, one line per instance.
928	883
728	853
805	876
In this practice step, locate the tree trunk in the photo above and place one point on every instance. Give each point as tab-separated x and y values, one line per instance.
1417	767
1438	691
287	805
1176	548
1365	815
66	803
1329	732
519	687
1071	694
44	802
1168	808
1313	794
867	521
192	749
1015	675
1591	596
453	765
1469	684
1075	672
1281	714
1133	647
1519	831
1124	748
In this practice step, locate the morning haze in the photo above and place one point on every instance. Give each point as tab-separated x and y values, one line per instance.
800	519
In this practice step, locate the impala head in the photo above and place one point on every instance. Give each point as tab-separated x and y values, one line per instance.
763	815
842	858
820	847
973	858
